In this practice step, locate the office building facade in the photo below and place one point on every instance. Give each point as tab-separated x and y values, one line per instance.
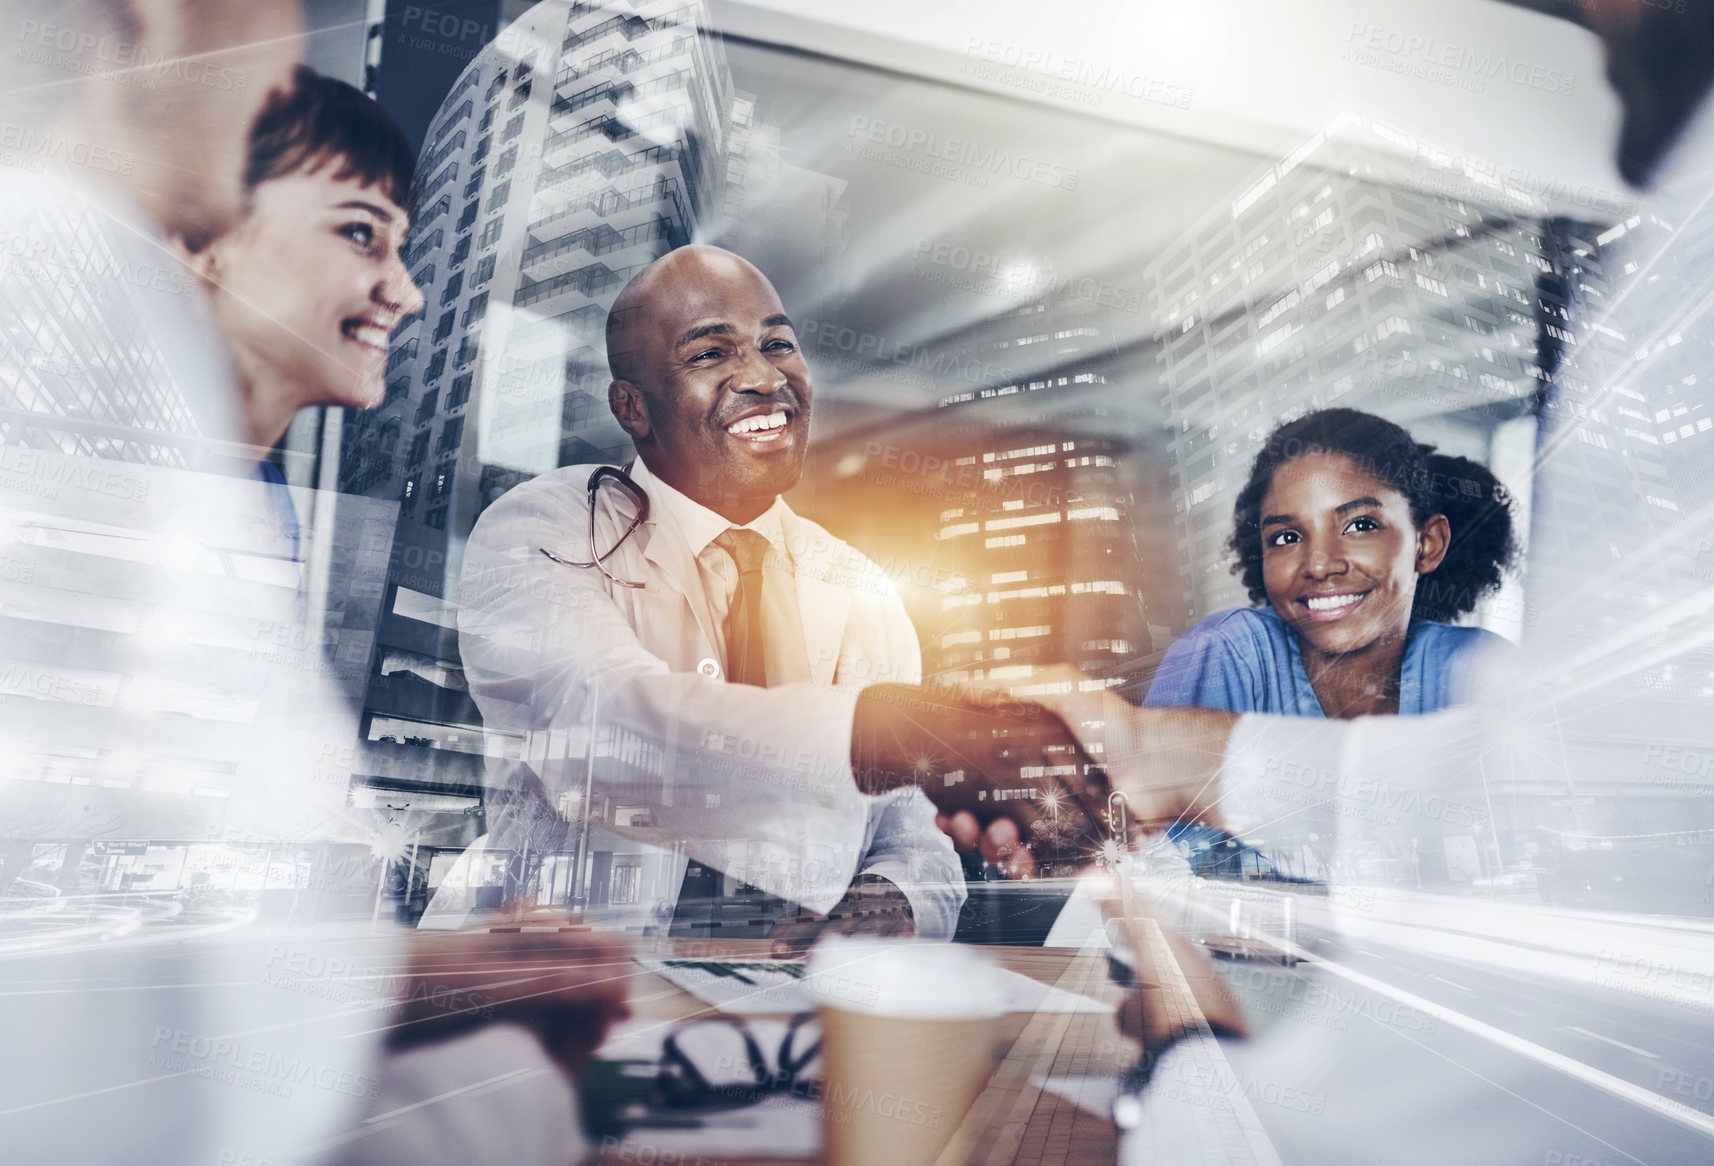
1339	276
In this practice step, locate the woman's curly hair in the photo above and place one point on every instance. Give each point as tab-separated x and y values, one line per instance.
1477	506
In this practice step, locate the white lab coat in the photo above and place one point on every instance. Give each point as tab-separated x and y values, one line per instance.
751	781
159	687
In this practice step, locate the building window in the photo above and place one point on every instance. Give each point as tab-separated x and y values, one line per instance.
436	365
498	198
484	271
463	110
426	407
450	435
513	128
437	518
477	308
404	352
441	206
444	329
448	173
460	252
469	215
460	391
507	160
491	230
454	285
421	244
475	183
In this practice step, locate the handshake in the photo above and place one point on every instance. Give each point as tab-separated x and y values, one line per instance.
1030	781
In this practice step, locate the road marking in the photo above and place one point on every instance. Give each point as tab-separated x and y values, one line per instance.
1621	1044
1643	1098
1450	983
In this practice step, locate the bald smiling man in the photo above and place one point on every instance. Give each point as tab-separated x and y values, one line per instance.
719	645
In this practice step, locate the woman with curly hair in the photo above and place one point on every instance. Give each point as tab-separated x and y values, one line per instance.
1357	545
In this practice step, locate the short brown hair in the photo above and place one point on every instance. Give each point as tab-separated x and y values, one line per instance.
320	120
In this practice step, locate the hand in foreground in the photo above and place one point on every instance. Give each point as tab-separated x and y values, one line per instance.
1165	761
568	989
872	906
1179	992
1012	765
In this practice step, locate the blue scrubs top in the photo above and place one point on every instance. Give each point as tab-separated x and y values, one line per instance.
1248	661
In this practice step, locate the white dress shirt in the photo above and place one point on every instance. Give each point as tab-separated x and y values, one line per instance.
700	526
750	781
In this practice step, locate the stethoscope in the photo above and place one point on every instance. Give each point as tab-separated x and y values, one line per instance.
622	478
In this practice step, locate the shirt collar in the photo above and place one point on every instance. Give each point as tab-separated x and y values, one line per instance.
700	525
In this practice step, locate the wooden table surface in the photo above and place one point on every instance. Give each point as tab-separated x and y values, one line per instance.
1015	1122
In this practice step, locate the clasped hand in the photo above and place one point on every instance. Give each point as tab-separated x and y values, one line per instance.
1027	782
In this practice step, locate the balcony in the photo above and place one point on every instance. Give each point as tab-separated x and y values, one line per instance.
594	280
557	256
557	335
611	165
662	190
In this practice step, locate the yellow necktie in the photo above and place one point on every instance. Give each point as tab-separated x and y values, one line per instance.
764	626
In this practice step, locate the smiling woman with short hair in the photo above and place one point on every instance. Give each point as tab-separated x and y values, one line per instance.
310	285
1356	543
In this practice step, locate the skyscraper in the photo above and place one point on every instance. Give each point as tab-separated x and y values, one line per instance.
1338	276
583	142
1045	541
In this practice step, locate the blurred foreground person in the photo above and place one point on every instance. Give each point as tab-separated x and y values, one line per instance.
159	691
1482	1029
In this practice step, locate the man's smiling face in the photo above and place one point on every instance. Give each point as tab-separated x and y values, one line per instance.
710	381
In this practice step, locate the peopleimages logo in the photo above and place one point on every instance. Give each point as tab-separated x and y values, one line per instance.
123	55
1446	63
995	273
965	152
232	1062
1043	71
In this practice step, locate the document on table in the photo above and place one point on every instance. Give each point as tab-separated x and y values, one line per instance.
775	987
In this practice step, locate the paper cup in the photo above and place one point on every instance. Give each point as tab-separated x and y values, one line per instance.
907	1032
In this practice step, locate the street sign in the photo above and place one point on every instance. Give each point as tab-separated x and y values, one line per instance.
132	848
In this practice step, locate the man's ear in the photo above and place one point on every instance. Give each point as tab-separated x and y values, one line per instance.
1431	543
630	409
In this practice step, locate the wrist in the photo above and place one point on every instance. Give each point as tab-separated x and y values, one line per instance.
878	886
1170	768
